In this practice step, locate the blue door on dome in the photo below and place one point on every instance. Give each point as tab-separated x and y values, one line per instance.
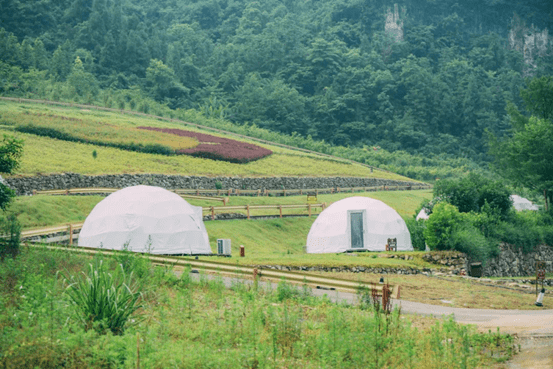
356	222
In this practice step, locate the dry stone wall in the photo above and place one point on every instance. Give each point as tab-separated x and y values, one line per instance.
26	185
513	262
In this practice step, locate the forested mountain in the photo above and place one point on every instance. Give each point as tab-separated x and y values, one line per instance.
423	76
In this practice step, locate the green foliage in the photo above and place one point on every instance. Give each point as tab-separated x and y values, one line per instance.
416	229
11	150
328	70
10	236
104	300
472	192
538	97
444	221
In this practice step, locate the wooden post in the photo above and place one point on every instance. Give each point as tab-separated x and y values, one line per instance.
248	211
242	251
229	191
197	192
70	234
218	192
225	200
301	191
258	193
284	192
212	213
316	192
309	209
34	192
280	207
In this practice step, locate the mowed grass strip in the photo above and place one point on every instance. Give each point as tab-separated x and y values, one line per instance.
452	291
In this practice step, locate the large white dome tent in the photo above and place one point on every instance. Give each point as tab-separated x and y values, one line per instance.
357	224
146	219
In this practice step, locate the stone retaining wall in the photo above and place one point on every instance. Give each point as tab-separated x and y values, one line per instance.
25	185
513	262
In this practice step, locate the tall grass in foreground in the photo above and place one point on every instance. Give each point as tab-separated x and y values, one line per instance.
103	299
198	323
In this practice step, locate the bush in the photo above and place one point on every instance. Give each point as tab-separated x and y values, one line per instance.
471	193
416	229
443	222
10	236
104	301
469	240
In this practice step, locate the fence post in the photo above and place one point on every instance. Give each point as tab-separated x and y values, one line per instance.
280	207
248	211
258	193
70	234
284	192
229	191
212	213
197	192
309	208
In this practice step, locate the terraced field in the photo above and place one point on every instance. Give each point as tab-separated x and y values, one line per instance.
46	155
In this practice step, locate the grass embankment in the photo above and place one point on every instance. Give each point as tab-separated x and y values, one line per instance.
202	324
44	155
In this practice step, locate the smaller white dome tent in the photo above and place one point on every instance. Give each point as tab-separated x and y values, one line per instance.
422	215
520	203
357	223
149	219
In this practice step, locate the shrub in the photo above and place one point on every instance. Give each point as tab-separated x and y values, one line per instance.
104	301
469	240
443	221
11	236
416	229
472	192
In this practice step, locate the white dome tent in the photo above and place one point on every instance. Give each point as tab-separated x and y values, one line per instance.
149	219
520	203
356	224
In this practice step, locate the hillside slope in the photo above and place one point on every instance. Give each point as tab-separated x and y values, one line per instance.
45	155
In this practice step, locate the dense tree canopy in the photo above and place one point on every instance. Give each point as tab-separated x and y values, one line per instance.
334	70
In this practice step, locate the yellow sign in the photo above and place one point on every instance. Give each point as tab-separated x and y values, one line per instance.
311	198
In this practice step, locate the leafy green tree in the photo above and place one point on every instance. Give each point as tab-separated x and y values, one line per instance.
163	82
527	156
82	82
538	97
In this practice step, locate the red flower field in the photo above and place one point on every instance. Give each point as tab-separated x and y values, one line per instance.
217	148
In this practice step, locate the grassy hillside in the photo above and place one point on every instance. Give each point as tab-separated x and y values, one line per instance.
44	155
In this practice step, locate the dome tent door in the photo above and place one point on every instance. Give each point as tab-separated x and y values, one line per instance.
357	230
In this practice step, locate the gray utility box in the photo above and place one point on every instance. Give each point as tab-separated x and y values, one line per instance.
223	246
